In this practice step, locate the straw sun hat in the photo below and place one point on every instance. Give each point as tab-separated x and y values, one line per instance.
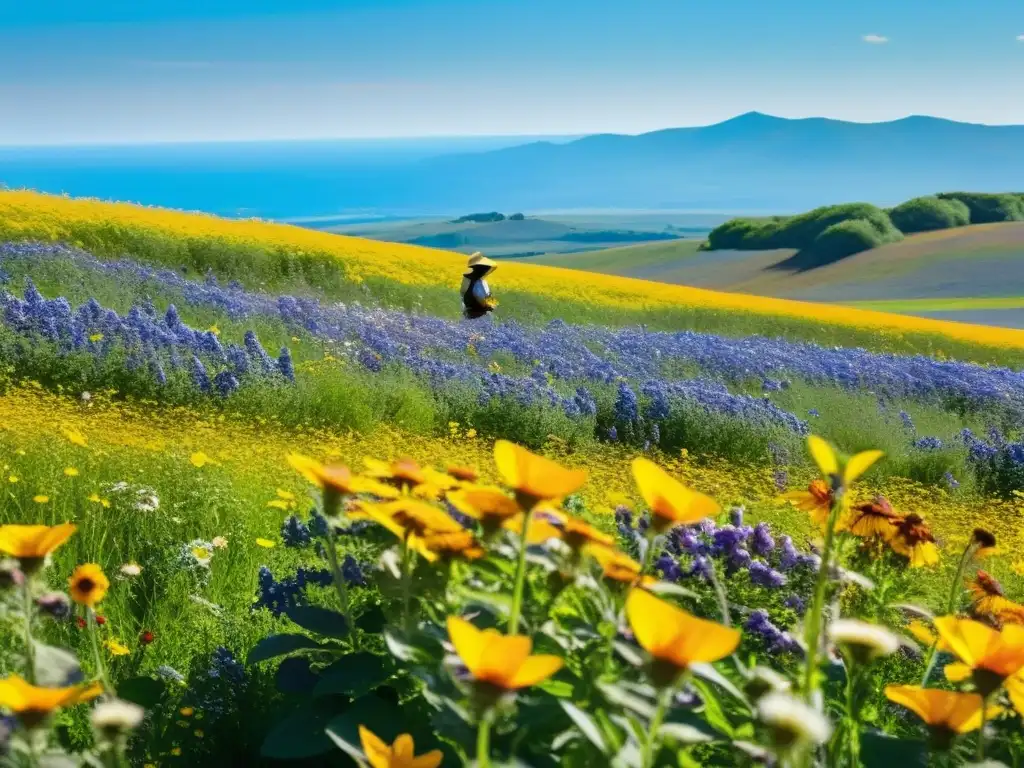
478	260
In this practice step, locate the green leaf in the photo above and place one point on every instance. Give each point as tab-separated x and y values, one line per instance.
279	645
713	712
354	675
403	650
685	733
670	589
586	726
323	621
144	691
371	711
561	689
295	677
712	675
372	621
618	695
299	735
878	750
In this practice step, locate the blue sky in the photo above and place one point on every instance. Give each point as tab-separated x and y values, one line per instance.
162	70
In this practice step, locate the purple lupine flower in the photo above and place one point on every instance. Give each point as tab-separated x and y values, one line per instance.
739	559
294	533
627	411
701	568
284	364
928	444
669	568
736	516
199	376
790	556
951	481
777	640
766	576
762	542
795	603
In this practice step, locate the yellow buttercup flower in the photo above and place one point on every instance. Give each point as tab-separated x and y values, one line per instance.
535	478
265	543
503	661
88	584
946	713
41	499
671	502
71	472
116	648
401	754
32	704
200	459
675	638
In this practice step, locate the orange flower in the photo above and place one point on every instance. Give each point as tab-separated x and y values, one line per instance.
88	584
873	519
448	546
671	502
946	713
542	527
989	601
573	531
401	754
488	505
463	474
33	704
403	474
534	478
31	544
914	540
675	638
410	520
503	661
338	478
816	500
618	566
988	656
926	637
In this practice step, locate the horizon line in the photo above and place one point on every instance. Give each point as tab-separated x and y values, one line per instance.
540	136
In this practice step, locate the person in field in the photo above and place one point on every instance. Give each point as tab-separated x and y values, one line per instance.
476	294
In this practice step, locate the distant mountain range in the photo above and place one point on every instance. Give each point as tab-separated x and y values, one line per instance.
751	163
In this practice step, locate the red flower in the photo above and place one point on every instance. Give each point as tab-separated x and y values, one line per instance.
101	620
80	622
147	637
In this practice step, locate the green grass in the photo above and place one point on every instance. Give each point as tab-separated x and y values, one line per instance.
621	261
939	305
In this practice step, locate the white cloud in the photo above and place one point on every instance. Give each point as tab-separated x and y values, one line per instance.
1021	38
875	39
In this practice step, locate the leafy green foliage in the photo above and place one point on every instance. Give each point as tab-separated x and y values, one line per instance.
924	214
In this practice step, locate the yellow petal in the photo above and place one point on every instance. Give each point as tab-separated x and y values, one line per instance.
378	754
669	499
653	621
468	641
534	670
859	464
431	759
823	456
535	475
970	640
403	749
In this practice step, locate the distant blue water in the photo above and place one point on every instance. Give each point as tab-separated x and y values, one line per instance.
357	179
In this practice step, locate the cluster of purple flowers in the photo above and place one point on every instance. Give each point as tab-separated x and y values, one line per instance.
997	461
775	639
280	596
150	342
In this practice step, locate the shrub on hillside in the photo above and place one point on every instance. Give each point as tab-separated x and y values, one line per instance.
924	214
802	231
845	238
744	234
987	208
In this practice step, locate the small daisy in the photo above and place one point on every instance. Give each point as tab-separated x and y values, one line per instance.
792	722
864	641
131	570
113	718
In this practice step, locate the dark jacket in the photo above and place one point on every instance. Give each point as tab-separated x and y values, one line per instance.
476	293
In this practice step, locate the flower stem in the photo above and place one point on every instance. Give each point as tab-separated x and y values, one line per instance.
852	720
652	736
339	579
520	583
720	595
483	741
30	649
955	591
407	557
648	551
101	668
981	731
812	632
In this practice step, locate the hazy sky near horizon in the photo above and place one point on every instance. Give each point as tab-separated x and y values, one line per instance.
112	71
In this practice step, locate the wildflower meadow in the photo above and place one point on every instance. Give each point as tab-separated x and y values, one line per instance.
267	501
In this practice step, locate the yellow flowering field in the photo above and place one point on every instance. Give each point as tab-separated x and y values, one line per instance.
90	222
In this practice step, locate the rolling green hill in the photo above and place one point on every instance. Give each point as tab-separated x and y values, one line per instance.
954	274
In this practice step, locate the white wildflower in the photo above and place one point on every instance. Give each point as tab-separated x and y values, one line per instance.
112	718
131	570
764	680
864	641
219	542
792	722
